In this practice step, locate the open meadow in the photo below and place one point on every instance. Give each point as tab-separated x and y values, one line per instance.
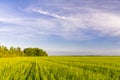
60	68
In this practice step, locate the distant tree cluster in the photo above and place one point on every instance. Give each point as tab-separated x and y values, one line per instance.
34	52
13	52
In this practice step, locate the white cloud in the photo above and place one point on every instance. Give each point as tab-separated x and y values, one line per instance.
5	29
77	26
106	24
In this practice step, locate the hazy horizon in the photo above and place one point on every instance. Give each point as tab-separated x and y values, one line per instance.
84	53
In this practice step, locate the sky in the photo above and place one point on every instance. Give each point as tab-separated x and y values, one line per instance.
61	25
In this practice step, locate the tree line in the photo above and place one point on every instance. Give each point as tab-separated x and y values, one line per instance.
13	52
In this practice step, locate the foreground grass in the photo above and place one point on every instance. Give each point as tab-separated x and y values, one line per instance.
60	68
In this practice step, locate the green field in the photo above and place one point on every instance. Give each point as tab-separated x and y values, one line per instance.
60	68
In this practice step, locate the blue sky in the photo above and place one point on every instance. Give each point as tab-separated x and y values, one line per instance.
61	25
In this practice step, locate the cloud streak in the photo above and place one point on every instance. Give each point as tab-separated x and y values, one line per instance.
83	23
52	14
71	27
95	20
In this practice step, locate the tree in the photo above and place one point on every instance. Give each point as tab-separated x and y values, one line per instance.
13	52
34	52
19	51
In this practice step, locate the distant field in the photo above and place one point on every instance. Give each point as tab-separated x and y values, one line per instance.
60	68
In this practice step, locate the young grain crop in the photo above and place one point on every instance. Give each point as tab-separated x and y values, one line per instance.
60	68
